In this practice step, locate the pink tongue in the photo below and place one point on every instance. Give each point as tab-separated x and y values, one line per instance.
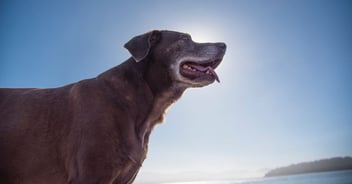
203	69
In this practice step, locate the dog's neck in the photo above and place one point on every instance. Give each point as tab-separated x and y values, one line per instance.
165	92
159	92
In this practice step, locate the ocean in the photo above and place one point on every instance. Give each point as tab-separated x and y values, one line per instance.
335	177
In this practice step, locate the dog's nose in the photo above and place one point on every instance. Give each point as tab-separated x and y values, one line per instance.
221	45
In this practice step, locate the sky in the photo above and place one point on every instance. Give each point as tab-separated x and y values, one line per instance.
285	91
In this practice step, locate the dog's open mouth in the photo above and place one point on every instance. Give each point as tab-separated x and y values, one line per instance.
200	70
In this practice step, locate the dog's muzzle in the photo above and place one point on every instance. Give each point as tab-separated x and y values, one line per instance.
200	70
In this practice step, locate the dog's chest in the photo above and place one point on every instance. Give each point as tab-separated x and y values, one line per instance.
131	168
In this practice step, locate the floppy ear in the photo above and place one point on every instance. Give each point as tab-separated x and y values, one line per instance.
139	46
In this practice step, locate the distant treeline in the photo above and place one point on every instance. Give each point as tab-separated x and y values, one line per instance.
332	164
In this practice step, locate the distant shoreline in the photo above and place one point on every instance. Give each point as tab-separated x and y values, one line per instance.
324	165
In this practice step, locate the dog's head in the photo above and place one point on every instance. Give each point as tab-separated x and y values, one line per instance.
175	56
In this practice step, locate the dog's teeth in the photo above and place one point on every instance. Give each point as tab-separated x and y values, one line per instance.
208	72
186	67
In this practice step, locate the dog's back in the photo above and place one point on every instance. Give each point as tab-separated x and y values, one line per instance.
48	134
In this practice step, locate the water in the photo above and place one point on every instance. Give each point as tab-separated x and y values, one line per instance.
336	177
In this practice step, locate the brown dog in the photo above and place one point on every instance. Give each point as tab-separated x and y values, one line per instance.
96	131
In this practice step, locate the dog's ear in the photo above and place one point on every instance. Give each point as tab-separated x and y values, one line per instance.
140	46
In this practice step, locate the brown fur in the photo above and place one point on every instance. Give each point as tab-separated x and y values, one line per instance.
93	131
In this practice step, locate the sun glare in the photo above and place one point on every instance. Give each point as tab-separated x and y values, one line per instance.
201	33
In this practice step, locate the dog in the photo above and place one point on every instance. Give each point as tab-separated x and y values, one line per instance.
96	131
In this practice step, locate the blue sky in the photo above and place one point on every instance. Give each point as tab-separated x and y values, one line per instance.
285	91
